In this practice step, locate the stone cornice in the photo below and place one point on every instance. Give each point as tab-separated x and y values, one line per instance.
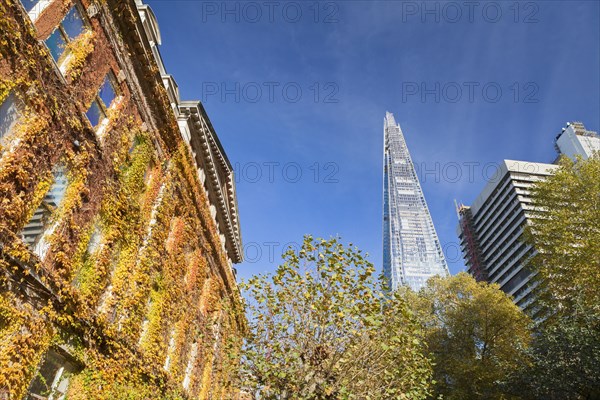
220	186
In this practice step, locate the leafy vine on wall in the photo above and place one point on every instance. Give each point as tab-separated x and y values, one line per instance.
135	275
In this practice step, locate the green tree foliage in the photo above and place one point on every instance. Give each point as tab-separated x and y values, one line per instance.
476	336
565	361
322	327
565	231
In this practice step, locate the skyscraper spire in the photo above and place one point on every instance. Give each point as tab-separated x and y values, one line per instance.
389	121
411	249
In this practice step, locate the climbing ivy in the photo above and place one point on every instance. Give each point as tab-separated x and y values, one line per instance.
135	275
79	51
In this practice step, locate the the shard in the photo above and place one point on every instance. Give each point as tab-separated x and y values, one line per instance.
411	249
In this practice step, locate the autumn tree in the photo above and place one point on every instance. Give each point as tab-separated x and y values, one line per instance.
476	335
321	327
565	231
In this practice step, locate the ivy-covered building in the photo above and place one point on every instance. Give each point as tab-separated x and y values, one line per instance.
118	216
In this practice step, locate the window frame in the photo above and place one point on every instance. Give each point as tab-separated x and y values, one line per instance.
65	366
103	108
63	33
112	80
17	106
40	245
101	113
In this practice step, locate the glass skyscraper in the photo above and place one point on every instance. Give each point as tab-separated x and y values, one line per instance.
411	249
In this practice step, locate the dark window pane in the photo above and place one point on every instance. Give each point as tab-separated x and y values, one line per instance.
42	383
54	369
107	92
56	44
8	115
73	23
28	4
95	113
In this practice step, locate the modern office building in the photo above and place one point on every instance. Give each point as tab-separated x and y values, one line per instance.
118	219
491	229
411	249
575	140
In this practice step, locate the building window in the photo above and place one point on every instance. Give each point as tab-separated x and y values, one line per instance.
146	322
107	91
170	350
95	113
95	240
39	226
8	116
35	8
29	4
94	246
70	27
187	379
102	102
73	24
52	379
56	44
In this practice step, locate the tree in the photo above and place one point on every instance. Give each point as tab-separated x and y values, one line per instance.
565	361
322	327
565	231
476	335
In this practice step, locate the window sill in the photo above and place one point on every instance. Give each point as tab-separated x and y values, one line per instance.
64	63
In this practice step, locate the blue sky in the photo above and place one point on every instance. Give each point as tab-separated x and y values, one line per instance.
302	88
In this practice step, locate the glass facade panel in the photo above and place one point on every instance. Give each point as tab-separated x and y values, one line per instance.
29	4
73	23
56	44
95	113
8	116
107	92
